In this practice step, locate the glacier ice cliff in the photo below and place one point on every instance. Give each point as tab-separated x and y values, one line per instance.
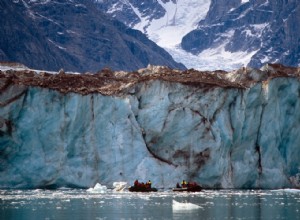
221	129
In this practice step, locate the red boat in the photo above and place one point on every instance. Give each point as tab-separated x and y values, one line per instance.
190	187
141	189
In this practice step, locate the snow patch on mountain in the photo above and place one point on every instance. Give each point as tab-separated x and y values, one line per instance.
180	18
255	30
10	66
219	58
212	59
244	1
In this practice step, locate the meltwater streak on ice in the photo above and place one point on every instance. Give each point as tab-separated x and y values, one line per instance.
79	204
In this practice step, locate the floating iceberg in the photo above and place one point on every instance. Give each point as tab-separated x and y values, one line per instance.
184	206
292	190
98	189
119	186
287	190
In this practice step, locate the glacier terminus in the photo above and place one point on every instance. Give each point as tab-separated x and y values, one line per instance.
237	129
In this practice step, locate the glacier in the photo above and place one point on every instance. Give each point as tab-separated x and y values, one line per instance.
168	28
216	34
221	129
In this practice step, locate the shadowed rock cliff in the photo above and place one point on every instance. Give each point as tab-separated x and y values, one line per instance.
73	35
266	29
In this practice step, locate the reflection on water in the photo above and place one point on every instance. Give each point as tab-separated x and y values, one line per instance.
79	204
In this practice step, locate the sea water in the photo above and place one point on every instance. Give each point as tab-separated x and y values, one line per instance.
208	204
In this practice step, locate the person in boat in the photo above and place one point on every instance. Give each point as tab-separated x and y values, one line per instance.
178	185
148	184
193	184
136	183
183	184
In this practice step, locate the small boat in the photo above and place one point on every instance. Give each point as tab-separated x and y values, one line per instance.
141	189
189	188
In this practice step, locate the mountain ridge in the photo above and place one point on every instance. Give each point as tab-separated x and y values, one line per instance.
267	28
225	35
73	35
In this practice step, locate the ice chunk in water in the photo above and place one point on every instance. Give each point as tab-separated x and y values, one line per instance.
119	186
184	206
98	189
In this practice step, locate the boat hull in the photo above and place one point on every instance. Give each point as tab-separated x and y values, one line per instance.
141	189
188	189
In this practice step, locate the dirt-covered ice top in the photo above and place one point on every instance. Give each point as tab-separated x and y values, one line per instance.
108	82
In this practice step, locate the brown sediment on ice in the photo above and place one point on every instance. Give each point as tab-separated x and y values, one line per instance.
109	82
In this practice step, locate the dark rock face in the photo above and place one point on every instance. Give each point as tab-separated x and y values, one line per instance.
126	15
267	28
124	10
73	35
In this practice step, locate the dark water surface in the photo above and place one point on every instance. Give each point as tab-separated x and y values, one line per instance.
80	204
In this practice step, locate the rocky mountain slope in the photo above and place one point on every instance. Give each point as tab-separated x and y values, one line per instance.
266	29
222	129
73	35
217	34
